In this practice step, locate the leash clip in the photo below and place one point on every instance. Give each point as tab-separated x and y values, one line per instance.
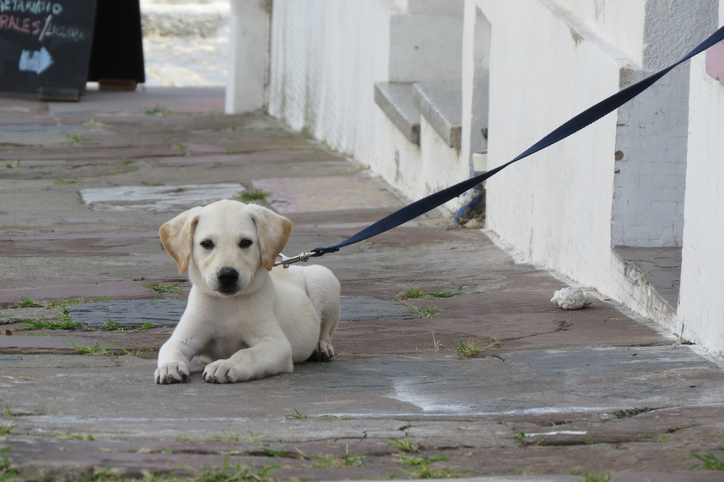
286	261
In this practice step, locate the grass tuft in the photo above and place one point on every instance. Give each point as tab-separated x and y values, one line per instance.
592	476
174	288
158	110
45	324
233	473
297	415
424	312
252	195
415	294
470	349
334	461
404	444
28	303
708	462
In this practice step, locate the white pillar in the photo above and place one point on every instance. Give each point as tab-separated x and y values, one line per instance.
246	90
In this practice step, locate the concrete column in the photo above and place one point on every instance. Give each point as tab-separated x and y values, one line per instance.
246	90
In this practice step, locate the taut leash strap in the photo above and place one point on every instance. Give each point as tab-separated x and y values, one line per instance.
584	119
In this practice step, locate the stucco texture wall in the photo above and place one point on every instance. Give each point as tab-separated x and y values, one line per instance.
701	299
325	57
554	208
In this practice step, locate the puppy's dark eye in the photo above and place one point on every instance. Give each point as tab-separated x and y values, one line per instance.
245	243
207	244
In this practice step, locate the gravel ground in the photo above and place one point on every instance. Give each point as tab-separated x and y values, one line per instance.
186	62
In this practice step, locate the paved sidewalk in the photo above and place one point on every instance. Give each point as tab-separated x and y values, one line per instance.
83	190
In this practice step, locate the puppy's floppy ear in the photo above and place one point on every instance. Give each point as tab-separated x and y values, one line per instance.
177	236
273	230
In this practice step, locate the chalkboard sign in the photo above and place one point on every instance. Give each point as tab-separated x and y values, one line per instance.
45	46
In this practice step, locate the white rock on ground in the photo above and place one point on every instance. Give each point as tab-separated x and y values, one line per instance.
572	298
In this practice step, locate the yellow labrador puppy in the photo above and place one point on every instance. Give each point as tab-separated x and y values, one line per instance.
244	319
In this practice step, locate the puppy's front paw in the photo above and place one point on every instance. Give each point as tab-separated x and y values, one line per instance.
220	371
173	372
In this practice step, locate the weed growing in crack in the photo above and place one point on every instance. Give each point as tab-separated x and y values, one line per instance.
424	471
6	472
255	437
418	460
334	461
297	415
404	444
223	438
520	438
592	476
97	350
182	147
416	294
158	110
254	194
75	180
470	349
136	352
70	436
74	140
94	350
333	417
174	288
708	462
110	325
45	324
424	312
10	414
28	303
233	473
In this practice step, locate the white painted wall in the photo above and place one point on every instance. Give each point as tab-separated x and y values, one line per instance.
325	57
554	207
701	303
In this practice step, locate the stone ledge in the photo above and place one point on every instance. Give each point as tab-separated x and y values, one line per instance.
396	101
661	267
441	103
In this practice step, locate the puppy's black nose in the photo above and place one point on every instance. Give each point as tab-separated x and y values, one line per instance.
228	276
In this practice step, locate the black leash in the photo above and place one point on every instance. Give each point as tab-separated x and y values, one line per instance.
574	125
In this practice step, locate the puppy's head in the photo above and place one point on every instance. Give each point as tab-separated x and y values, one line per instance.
225	243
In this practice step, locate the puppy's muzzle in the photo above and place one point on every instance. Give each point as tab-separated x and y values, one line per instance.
228	280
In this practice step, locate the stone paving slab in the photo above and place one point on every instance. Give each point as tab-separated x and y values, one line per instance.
158	198
331	193
52	290
134	313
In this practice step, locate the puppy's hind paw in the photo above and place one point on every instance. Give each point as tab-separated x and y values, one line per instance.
174	372
323	353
